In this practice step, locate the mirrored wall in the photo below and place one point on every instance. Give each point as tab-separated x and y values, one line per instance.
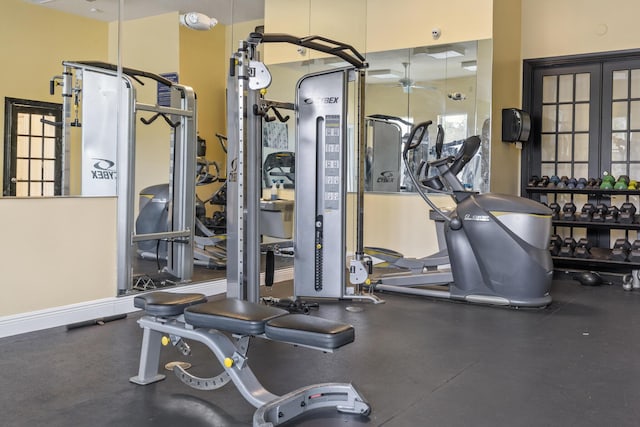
449	85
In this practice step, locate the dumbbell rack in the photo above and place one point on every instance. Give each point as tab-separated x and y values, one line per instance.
599	255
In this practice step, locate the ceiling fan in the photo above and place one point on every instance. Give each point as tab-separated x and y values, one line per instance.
406	83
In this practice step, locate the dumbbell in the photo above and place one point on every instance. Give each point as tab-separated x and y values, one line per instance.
571	184
607	182
608	177
600	213
620	251
553	181
591	183
634	252
582	183
533	181
564	180
622	183
587	212
567	248
544	181
606	185
583	249
627	213
612	215
555	242
633	185
555	211
568	212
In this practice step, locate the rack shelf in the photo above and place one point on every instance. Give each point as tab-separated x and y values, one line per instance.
599	260
601	225
593	191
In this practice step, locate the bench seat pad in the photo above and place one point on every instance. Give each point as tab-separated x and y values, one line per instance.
232	315
309	330
161	303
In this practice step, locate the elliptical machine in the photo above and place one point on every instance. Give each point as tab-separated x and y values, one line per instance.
209	234
496	244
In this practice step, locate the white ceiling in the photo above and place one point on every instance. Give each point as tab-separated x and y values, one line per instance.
225	11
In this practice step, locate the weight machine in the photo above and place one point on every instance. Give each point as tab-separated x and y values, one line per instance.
105	99
320	184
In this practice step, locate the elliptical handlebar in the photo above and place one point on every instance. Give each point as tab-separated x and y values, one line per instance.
411	144
422	127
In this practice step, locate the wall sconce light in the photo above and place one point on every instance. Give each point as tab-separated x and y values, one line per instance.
197	21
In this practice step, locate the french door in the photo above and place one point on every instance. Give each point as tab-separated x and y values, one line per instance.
586	121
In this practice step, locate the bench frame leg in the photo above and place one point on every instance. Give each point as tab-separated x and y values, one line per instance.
149	358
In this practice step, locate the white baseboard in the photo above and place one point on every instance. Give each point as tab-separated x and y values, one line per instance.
97	309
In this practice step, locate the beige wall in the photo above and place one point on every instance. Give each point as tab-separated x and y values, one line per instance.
506	88
375	25
566	27
56	251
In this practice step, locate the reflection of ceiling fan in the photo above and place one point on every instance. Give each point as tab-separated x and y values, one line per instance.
405	82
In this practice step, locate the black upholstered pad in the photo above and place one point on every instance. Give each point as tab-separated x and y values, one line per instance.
232	315
308	330
167	303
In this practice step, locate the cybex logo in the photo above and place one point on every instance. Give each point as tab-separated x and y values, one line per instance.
103	169
322	100
386	176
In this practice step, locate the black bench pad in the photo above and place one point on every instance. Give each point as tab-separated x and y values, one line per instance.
309	330
232	315
161	303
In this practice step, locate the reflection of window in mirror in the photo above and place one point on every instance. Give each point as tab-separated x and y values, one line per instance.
32	152
455	126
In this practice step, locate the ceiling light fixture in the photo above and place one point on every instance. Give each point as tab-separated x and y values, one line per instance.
384	74
469	65
335	62
439	52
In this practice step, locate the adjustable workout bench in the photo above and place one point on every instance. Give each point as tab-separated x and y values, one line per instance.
190	316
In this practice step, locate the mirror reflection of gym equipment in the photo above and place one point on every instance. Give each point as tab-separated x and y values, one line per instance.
169	231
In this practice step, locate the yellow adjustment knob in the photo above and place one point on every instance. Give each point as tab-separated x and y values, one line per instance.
368	281
165	340
228	362
263	92
319	246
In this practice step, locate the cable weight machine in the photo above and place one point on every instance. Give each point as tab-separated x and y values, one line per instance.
320	181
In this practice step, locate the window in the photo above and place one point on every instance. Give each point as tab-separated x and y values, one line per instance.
33	148
455	126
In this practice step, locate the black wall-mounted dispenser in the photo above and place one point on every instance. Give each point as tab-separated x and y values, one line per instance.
516	125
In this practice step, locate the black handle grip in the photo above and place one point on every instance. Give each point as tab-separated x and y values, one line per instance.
420	129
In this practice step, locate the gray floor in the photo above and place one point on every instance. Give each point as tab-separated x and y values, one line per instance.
418	362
